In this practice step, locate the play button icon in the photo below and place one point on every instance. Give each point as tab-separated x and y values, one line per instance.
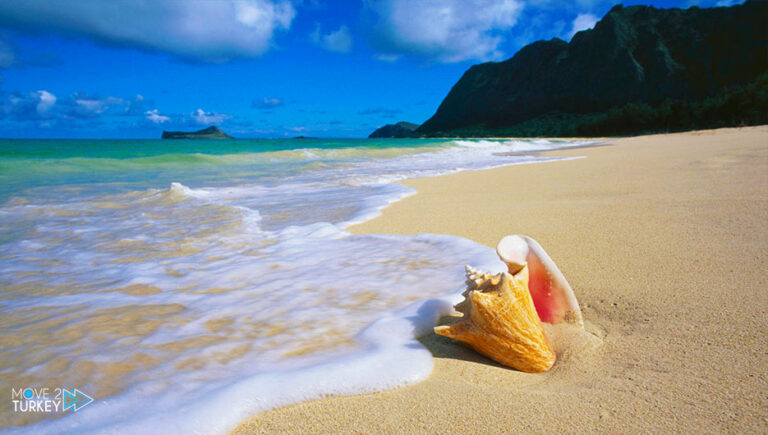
75	399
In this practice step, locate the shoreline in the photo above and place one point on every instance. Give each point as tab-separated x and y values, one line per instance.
417	366
644	211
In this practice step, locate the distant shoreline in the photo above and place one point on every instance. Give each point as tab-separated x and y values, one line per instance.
365	139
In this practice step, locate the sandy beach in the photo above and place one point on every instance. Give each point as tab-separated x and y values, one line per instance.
664	239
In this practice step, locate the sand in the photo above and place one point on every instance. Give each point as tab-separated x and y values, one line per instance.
665	241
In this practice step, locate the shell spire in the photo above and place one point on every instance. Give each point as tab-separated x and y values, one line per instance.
503	312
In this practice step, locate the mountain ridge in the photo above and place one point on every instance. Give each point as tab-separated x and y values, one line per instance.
638	59
400	130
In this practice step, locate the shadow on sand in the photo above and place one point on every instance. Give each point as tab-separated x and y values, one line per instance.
444	347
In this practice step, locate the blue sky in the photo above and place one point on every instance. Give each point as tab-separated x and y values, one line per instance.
256	68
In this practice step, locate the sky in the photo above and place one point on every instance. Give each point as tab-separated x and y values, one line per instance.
257	68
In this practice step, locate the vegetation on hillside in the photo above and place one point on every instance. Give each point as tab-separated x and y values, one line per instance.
734	106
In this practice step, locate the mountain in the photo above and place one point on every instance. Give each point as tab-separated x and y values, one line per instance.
211	132
639	69
399	130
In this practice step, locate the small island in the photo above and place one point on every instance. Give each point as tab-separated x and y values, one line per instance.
211	132
400	130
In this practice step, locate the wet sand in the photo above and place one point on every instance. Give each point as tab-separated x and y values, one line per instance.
665	241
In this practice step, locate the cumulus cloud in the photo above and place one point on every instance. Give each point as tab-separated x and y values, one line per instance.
45	101
267	103
134	106
155	117
202	117
583	22
84	106
339	41
44	105
443	30
81	105
35	105
561	5
214	31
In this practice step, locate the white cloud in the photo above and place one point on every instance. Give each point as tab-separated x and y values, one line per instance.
37	105
712	3
202	117
583	22
213	31
155	116
92	106
45	102
267	103
44	105
564	5
339	40
444	30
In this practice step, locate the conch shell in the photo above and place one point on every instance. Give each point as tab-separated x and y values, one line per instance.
552	295
500	317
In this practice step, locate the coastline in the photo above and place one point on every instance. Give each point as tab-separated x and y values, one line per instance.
663	240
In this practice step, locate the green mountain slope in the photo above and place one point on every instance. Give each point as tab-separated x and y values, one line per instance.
640	69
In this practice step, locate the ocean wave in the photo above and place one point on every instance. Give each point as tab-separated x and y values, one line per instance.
515	146
214	283
324	276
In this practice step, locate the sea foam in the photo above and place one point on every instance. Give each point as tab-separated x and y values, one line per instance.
235	289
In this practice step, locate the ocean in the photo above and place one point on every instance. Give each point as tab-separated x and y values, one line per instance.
185	285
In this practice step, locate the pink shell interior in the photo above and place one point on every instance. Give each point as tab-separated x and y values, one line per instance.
552	296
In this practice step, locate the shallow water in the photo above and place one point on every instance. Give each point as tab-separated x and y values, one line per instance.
211	279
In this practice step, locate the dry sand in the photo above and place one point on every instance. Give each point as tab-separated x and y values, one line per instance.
665	242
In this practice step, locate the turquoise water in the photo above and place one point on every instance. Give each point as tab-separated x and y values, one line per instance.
209	280
33	163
